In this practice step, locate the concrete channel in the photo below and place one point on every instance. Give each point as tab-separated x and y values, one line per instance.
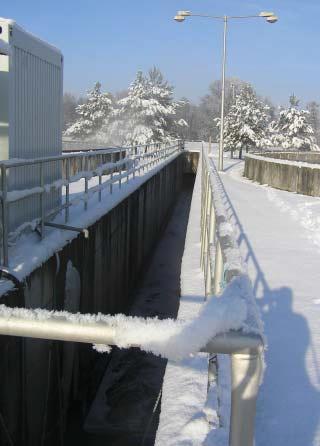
125	409
48	387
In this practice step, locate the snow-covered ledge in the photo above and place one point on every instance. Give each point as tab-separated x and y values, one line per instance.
271	159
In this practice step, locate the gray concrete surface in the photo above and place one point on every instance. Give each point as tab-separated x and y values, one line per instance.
302	179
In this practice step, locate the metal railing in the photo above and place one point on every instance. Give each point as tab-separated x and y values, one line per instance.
109	167
221	262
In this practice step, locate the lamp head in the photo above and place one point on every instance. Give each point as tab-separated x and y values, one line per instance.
269	16
272	19
179	18
184	13
266	14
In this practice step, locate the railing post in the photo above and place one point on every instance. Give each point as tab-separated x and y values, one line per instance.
246	372
212	223
210	236
218	268
100	178
128	170
111	182
86	184
205	218
111	173
66	215
41	201
5	219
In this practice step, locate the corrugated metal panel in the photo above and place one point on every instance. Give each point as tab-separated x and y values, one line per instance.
35	117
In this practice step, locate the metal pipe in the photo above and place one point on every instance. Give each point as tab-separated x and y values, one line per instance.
235	342
212	223
223	86
61	328
204	237
66	216
5	219
119	171
83	231
218	268
10	163
245	350
41	202
246	372
86	185
58	329
100	179
208	274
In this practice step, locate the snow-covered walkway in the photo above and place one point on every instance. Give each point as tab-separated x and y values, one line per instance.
279	235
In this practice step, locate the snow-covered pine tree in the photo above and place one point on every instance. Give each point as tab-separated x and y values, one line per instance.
292	129
246	123
92	114
165	108
146	114
314	118
209	108
187	119
129	126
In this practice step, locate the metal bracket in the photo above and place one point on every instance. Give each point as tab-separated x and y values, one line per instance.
83	231
6	274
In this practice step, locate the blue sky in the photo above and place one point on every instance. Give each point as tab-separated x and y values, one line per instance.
110	40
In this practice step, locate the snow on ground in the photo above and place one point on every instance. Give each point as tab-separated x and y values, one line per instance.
278	233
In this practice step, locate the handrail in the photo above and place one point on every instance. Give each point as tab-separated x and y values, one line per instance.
117	164
221	262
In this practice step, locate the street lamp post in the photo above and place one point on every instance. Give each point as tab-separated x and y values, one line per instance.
223	92
270	17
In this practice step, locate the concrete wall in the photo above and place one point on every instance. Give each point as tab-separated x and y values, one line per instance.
191	160
78	164
292	177
38	378
305	157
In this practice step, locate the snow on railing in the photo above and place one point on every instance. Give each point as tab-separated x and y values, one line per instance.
220	254
222	264
108	167
168	338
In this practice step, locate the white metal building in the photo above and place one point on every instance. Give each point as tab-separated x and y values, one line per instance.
31	88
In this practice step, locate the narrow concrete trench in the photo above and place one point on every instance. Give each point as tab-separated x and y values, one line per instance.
125	410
